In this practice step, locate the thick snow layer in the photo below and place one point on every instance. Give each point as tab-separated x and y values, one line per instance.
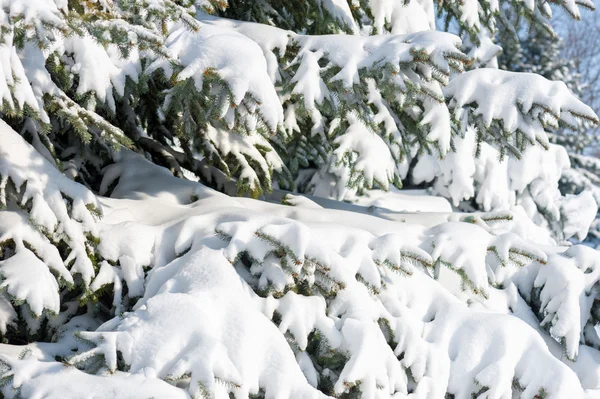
367	153
214	50
217	296
34	12
367	291
522	102
27	278
528	185
222	269
13	79
100	69
227	339
392	49
404	201
58	206
54	380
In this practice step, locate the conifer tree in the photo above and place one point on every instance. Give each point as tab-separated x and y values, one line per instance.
539	52
129	268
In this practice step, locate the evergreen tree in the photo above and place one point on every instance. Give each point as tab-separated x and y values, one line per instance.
539	52
491	182
126	274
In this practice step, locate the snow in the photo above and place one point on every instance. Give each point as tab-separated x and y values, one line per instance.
34	12
273	41
520	101
227	340
18	273
369	270
36	380
13	75
560	300
367	153
238	349
340	10
100	69
341	50
404	201
397	295
40	183
579	210
202	53
528	185
409	18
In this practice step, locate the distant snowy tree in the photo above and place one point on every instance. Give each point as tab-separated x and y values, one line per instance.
124	273
538	51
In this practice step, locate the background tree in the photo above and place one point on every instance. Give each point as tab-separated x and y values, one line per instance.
577	42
